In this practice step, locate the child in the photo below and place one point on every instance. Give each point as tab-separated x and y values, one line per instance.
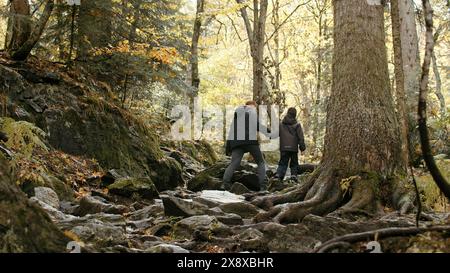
291	140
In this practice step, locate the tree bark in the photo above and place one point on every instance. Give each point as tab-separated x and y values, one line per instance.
259	88
362	129
19	25
195	78
24	50
277	96
60	32
256	37
407	72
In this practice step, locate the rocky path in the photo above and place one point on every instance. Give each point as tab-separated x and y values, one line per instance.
182	221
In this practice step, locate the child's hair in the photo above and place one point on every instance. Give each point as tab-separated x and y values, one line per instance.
292	112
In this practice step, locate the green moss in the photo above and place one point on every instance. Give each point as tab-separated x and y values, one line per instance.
45	179
130	186
430	194
201	150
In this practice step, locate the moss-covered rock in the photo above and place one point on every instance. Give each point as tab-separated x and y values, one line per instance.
81	119
167	174
199	150
243	209
24	227
207	180
128	187
63	190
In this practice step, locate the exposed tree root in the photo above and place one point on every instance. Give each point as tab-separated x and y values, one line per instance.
324	196
363	198
325	200
376	234
296	194
325	192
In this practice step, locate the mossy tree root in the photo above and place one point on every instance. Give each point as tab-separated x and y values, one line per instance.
296	194
330	191
324	196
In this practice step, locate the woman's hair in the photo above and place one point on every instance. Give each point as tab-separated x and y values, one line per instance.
251	102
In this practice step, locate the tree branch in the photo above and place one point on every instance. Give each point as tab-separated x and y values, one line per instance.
379	234
285	20
248	26
23	52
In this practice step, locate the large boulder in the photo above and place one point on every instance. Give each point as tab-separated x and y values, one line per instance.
174	206
100	234
243	209
144	187
95	204
27	141
214	198
186	227
47	195
230	219
146	212
188	151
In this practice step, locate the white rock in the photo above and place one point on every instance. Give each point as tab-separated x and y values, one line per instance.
47	195
221	197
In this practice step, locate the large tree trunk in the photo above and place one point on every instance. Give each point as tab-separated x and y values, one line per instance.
24	227
94	26
19	25
362	129
22	52
407	72
362	143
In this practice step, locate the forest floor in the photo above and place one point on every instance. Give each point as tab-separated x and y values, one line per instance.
217	221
